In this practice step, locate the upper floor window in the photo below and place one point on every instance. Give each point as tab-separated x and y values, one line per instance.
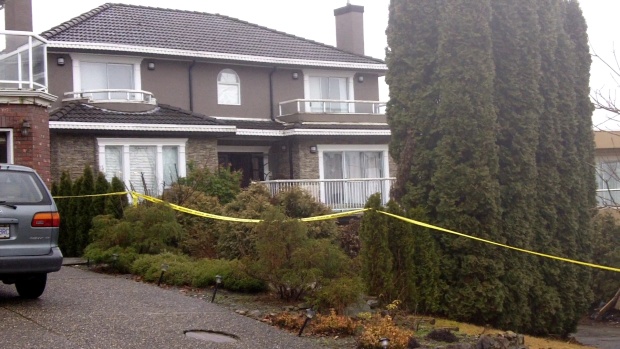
105	75
228	88
323	88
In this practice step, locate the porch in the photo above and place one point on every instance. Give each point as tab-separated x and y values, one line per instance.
338	194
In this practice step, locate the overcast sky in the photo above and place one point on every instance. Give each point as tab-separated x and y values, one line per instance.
315	20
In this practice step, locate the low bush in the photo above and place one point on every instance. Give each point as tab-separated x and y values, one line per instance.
116	258
338	293
334	325
183	271
383	327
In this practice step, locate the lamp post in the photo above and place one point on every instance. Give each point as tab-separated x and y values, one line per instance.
385	342
309	315
114	260
218	281
164	268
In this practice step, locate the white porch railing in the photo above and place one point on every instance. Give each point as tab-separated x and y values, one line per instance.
23	61
330	106
338	194
112	95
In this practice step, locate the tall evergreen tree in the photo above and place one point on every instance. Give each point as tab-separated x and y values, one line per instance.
84	210
66	237
515	31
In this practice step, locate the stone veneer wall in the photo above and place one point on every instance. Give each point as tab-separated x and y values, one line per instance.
71	153
32	150
202	152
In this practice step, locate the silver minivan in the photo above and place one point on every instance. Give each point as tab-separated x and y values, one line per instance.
29	227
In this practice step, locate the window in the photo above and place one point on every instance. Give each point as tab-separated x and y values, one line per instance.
6	146
103	72
228	88
352	173
145	165
106	76
608	183
328	85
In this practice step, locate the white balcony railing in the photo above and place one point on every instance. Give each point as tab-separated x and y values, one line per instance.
330	106
23	63
112	96
338	194
608	197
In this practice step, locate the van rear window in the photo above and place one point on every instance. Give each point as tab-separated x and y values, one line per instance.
18	187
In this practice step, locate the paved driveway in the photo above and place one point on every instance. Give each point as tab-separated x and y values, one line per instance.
81	309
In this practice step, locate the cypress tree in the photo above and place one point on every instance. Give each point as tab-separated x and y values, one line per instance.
465	191
412	36
515	31
375	250
84	210
65	239
101	187
116	204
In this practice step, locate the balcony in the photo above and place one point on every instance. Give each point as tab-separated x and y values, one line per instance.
23	63
115	99
338	194
326	110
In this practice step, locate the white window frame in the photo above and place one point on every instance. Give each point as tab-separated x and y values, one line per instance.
349	75
383	148
9	144
238	84
599	161
126	143
77	58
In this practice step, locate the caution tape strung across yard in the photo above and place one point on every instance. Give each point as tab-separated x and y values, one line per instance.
136	196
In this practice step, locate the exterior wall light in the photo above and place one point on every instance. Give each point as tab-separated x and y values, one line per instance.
151	65
360	78
25	128
218	281
313	149
60	61
385	342
295	75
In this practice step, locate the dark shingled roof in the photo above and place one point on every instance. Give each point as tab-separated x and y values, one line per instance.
254	125
194	31
161	115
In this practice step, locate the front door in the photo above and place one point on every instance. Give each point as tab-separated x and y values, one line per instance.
250	164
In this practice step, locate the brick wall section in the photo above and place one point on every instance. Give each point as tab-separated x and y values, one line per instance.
71	153
32	150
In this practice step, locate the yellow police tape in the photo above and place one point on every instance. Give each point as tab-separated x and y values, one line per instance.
135	196
426	225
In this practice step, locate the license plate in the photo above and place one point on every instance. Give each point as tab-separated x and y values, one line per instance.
4	232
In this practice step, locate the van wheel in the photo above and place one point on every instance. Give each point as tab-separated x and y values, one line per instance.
31	287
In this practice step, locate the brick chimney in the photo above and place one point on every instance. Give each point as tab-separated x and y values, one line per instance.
18	15
350	28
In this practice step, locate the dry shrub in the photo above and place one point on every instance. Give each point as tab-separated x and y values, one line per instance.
383	327
289	321
334	324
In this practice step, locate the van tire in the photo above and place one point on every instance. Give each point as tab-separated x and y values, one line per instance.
31	287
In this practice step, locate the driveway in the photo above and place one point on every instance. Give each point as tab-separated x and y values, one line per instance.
81	309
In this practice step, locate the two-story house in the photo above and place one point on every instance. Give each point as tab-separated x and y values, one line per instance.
146	91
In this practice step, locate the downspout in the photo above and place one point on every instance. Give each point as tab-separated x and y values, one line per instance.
191	85
273	117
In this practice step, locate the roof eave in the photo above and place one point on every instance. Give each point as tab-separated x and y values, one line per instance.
378	67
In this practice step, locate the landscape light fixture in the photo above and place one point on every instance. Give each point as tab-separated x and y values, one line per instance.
309	315
60	61
25	127
218	281
385	342
164	268
295	75
313	149
114	259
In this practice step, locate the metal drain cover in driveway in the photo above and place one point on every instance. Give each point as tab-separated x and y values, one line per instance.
211	336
